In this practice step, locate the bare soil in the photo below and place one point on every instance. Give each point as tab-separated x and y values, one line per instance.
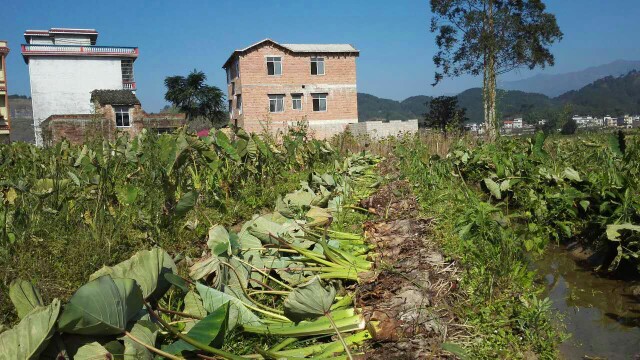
412	287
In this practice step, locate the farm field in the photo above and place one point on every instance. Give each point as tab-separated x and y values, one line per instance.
245	246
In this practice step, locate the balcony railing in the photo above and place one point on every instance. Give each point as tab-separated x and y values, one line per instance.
129	85
79	50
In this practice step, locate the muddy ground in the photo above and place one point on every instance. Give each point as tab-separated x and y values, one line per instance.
411	288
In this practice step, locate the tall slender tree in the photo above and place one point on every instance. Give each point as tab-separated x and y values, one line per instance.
491	37
195	98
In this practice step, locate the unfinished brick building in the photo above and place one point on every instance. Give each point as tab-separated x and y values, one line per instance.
116	112
272	86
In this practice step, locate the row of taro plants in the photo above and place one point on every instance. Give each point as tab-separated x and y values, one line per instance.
498	203
67	210
278	284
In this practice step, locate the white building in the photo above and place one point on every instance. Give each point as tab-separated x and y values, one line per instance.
610	121
517	123
65	66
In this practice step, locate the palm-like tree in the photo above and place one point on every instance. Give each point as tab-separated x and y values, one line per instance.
195	98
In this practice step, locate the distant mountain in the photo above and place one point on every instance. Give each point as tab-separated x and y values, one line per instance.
610	95
558	84
509	102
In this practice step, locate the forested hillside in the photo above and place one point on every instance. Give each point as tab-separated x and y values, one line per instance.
608	96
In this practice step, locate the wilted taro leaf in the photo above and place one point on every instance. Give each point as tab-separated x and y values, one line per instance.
24	296
204	267
145	331
239	314
27	339
319	217
147	268
92	351
193	306
209	329
102	307
309	301
219	241
300	198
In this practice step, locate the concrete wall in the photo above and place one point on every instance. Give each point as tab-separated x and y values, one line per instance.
379	129
339	83
63	85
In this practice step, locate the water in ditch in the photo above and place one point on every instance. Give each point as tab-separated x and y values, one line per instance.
601	314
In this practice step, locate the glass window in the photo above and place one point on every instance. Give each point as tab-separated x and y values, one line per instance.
317	66
230	108
274	65
126	66
239	103
296	100
319	102
276	103
122	116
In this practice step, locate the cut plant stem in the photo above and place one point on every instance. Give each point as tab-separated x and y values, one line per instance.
344	344
190	340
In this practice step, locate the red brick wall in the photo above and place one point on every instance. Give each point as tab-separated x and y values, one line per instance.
78	128
339	83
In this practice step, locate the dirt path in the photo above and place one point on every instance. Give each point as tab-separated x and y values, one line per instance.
412	287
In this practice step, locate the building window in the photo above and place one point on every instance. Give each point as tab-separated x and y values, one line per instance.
127	70
317	66
122	116
319	102
296	100
239	103
276	103
230	109
274	65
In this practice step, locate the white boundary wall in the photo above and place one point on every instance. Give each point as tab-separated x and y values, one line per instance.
379	129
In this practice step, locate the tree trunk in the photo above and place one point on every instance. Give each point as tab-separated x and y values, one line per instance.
489	80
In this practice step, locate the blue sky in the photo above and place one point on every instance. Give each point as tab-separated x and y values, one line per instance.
396	47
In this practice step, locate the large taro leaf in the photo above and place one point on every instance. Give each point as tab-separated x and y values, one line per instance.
92	351
239	313
209	329
103	306
300	198
309	301
145	331
223	142
186	203
319	217
27	339
24	296
147	268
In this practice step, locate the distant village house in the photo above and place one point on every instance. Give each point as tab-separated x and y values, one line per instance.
273	86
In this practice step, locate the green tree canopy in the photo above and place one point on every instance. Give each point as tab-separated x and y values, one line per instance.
444	114
491	37
195	98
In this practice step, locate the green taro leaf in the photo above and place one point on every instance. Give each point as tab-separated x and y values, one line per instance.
193	306
147	268
239	313
206	331
309	301
493	187
24	296
186	203
92	351
30	337
103	306
223	142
